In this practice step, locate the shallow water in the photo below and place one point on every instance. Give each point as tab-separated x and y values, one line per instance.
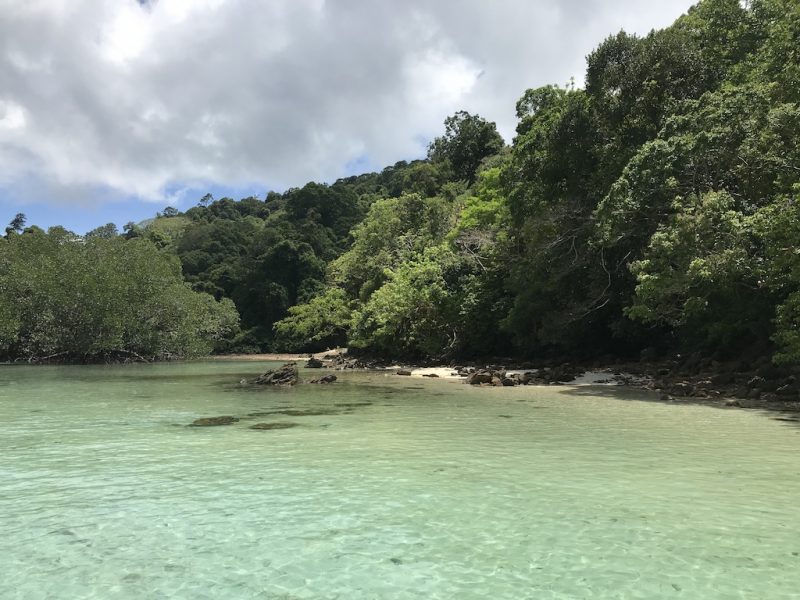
402	488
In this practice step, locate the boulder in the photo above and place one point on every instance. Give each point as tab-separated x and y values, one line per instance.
404	372
479	377
324	379
430	375
214	421
314	363
284	376
725	378
682	389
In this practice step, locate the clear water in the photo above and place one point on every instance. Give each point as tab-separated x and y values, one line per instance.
433	490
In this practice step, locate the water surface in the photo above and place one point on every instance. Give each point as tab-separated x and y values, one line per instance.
388	487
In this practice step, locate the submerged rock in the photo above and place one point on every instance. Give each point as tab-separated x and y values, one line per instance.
324	379
268	426
214	421
285	375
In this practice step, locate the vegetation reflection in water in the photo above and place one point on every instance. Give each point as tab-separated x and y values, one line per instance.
386	488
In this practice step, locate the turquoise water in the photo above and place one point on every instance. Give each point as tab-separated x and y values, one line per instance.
409	488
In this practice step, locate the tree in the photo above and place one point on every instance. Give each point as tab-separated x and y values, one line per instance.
16	225
169	211
107	231
98	299
468	139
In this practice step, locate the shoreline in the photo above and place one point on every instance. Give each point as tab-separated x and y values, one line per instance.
683	380
760	386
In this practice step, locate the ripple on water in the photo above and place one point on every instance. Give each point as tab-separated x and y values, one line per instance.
447	492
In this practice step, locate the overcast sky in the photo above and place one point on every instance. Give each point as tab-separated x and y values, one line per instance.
110	109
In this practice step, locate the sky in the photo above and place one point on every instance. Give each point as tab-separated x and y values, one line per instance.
111	110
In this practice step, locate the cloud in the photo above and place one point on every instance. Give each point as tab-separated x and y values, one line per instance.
104	99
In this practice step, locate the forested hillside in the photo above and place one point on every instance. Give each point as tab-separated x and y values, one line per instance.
655	207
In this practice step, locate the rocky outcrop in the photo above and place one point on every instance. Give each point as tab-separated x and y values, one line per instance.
550	375
500	377
314	363
324	379
283	376
341	362
214	421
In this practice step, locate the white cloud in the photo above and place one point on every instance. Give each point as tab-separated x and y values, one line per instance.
112	98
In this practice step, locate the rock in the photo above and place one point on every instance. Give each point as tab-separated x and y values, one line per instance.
324	379
722	378
732	403
430	375
314	363
404	372
479	377
214	421
496	381
508	381
340	362
769	371
665	398
682	389
285	375
268	426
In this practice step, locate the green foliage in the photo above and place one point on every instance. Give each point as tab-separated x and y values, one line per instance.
16	225
467	140
414	312
98	298
107	231
657	206
322	322
395	230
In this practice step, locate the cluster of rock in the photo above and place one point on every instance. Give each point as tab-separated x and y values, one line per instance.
286	375
741	382
341	362
498	376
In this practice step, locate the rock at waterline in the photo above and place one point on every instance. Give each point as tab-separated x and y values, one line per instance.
285	375
404	372
314	363
214	421
324	379
479	377
268	426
